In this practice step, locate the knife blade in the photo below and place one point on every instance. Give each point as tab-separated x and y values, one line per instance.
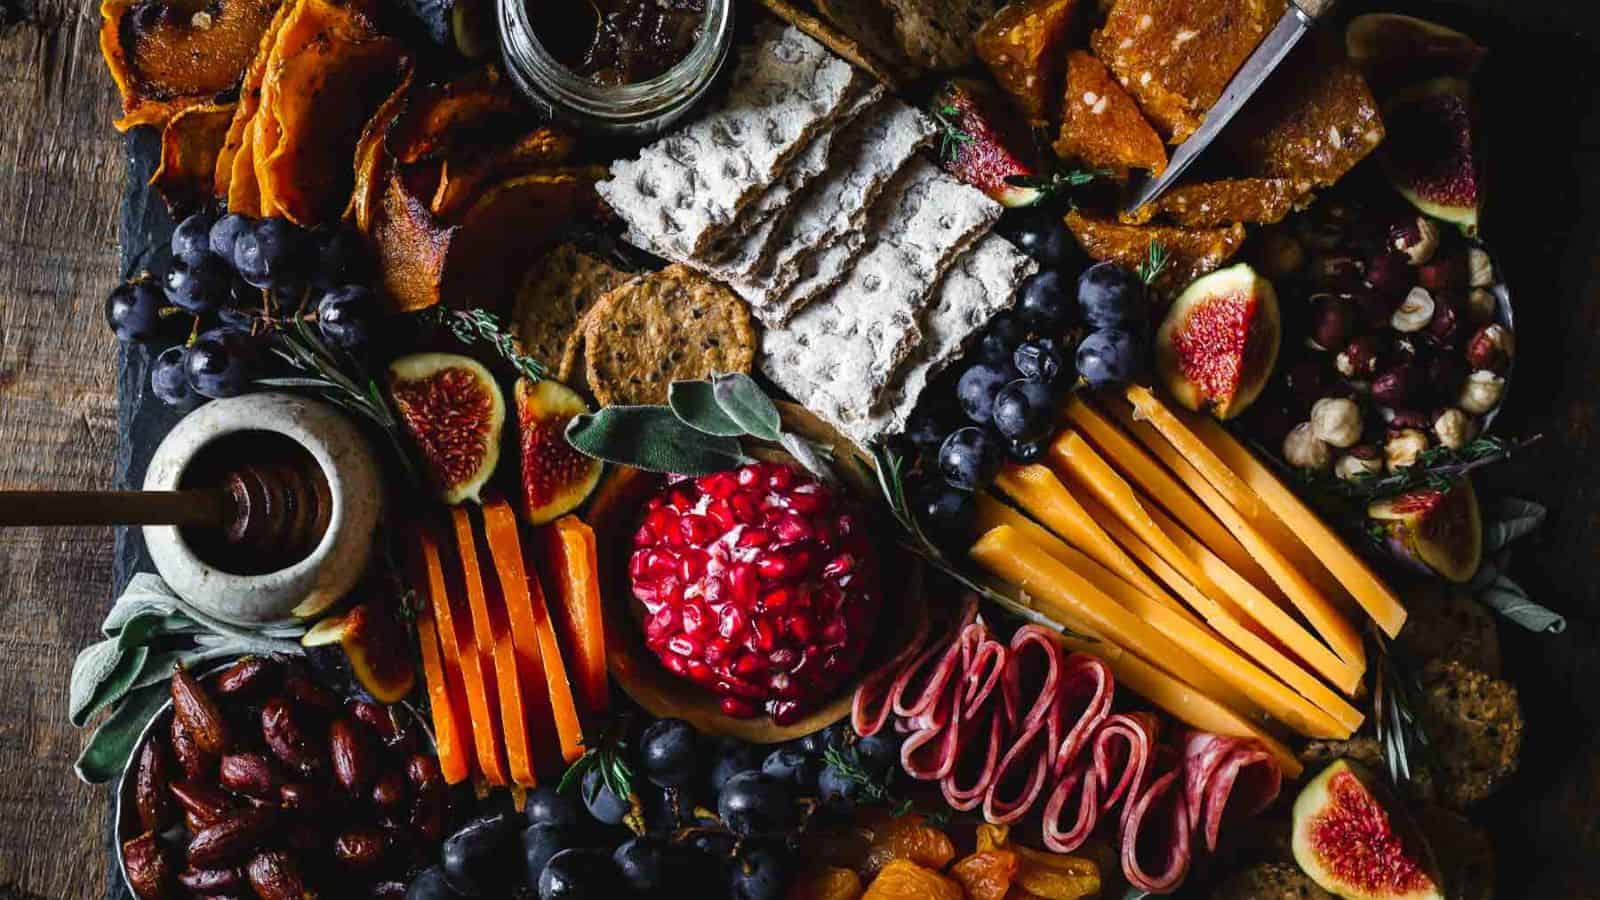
1273	49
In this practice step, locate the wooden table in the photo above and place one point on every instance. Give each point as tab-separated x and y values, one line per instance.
61	175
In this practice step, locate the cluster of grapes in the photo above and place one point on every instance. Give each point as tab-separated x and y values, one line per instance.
1008	396
227	277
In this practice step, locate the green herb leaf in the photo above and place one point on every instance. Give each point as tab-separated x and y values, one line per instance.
114	687
654	439
809	456
151	624
1513	519
95	664
1155	262
145	591
107	752
743	401
1507	598
471	326
695	403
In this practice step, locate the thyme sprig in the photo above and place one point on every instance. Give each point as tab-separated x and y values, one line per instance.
1395	695
951	134
474	326
1439	468
874	788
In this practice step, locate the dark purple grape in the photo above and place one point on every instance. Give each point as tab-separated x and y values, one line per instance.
1039	360
134	312
1041	234
667	752
345	315
1111	356
271	253
221	363
760	873
198	283
1026	452
342	258
192	236
1024	410
795	766
225	233
946	514
977	387
970	458
1111	296
925	430
169	379
755	803
1045	304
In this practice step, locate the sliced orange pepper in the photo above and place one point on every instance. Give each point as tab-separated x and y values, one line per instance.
544	674
446	694
576	572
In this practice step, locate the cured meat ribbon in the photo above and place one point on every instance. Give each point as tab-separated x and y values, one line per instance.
1006	726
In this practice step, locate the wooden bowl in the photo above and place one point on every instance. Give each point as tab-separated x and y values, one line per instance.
614	515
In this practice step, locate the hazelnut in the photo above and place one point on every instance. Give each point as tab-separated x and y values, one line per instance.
1389	274
1395	386
1337	421
1332	321
1403	447
1491	348
1281	255
1360	357
1482	392
1480	269
1453	428
1445	326
1353	467
1482	305
1304	450
1414	313
1443	274
1336	271
1417	239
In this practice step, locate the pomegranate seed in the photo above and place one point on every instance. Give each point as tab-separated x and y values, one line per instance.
694	616
675	664
755	537
643	537
784	712
660	563
792	529
684	645
772	565
718	649
843	564
721	485
808	504
698	530
722	513
745	510
780	478
845	524
749	664
743	579
692	564
766	637
833	632
801	628
701	673
749	476
731	622
639	563
681	501
776	600
739	709
783	658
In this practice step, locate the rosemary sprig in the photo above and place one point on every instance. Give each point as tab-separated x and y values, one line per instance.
1400	733
889	467
847	762
608	755
471	326
1057	182
1439	468
951	135
1156	260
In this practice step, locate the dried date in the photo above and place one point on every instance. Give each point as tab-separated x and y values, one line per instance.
232	838
251	774
288	739
359	848
354	764
210	882
197	765
390	791
149	871
151	782
249	676
198	712
201	803
274	875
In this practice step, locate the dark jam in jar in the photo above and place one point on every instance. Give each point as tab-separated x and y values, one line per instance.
614	42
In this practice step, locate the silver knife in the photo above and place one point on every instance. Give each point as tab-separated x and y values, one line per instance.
1274	48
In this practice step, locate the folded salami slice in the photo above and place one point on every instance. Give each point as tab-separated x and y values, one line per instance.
978	755
1087	687
1077	795
1155	833
1121	755
873	702
1035	662
1226	779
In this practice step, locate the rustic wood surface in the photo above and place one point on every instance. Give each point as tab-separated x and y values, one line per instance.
61	180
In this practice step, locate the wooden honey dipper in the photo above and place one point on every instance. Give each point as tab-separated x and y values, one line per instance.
275	512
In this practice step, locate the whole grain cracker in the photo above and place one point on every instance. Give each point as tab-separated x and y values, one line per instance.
672	325
885	62
555	293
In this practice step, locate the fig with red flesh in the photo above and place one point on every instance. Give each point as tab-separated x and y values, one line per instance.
375	647
1354	841
1438	531
1394	50
454	412
1219	342
984	142
1429	154
555	477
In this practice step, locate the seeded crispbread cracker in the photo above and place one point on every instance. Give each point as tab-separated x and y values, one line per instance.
555	293
687	187
982	282
867	156
671	325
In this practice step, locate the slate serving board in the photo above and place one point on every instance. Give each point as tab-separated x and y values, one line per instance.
1544	153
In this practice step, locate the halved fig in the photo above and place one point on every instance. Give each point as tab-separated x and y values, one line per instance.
1219	342
1394	50
1429	155
1439	532
556	479
454	412
984	141
374	646
1355	841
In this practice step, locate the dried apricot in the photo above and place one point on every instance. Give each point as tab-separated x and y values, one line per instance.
987	875
908	837
903	880
1056	876
993	837
831	883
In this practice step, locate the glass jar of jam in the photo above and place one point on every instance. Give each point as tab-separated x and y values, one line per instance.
627	68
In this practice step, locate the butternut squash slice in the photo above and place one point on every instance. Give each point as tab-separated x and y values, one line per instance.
575	570
544	675
190	144
447	696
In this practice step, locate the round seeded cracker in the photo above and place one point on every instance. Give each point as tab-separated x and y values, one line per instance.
673	325
555	293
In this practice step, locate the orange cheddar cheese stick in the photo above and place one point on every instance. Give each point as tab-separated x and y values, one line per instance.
478	665
516	710
461	663
446	695
576	565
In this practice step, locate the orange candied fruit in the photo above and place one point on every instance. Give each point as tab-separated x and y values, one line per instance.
986	875
1057	876
905	880
830	883
910	838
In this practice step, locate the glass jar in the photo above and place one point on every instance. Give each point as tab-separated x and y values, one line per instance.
627	110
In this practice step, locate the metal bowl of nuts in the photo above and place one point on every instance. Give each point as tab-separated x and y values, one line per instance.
254	779
1398	337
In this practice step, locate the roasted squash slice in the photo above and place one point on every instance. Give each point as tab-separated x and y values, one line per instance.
471	111
462	177
506	224
190	144
409	244
249	101
166	57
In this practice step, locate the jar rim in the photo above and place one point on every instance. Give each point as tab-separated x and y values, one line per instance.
616	102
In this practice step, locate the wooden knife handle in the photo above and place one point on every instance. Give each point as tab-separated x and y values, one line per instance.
1314	10
212	508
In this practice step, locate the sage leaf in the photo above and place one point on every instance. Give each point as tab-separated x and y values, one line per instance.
805	453
109	689
94	664
1513	519
695	403
1507	598
747	404
145	591
151	624
106	754
654	439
